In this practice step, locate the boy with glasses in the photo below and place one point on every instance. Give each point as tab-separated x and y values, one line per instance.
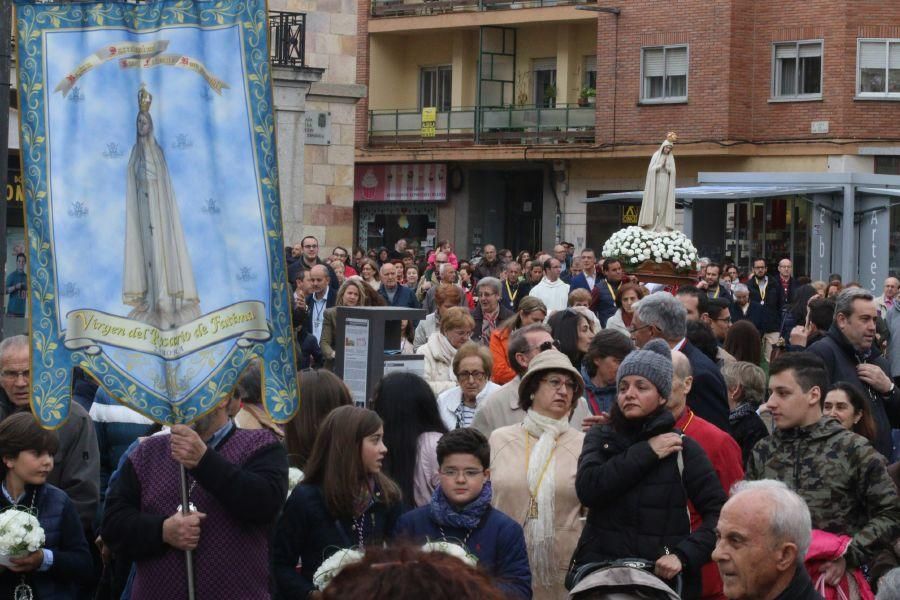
460	512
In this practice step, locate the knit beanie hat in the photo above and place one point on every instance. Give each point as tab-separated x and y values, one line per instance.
653	362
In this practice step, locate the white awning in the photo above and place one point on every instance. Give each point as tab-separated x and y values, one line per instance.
725	192
873	191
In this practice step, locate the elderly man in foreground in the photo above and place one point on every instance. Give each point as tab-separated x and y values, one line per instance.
763	533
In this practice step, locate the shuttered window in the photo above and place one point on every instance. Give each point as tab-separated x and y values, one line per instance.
878	68
797	70
664	74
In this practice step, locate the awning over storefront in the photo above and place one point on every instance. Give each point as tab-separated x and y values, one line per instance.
879	191
725	192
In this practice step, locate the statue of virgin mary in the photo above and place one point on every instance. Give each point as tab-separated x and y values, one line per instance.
158	278
658	206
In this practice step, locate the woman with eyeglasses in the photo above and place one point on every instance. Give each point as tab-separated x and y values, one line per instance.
637	474
472	367
531	310
455	330
533	466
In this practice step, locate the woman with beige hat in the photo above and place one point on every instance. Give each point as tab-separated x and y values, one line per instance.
533	466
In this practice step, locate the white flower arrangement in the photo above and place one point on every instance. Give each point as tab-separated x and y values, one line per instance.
295	476
332	565
634	245
20	534
452	549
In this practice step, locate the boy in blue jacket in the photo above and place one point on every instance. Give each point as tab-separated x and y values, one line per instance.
460	512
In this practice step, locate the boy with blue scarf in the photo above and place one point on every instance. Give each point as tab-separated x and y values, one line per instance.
460	512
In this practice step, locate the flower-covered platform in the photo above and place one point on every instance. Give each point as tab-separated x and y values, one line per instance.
666	257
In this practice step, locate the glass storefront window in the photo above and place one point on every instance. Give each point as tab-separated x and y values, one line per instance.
773	228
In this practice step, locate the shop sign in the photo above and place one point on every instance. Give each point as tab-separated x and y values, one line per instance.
630	214
14	190
426	182
429	120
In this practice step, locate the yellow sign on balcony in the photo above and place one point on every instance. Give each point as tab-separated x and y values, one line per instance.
429	119
630	215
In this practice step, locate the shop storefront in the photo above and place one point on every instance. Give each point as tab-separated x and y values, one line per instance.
824	222
14	304
393	201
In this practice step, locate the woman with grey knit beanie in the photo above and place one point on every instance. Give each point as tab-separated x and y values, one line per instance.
636	475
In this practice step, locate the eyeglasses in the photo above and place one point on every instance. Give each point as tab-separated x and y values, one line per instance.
633	329
557	383
15	374
543	347
723	319
466	473
310	246
466	375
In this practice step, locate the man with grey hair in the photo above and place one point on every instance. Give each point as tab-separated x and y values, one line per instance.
489	312
850	356
661	315
763	534
501	408
76	465
446	275
742	309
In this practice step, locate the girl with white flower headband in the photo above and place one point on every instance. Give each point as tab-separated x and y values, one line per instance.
344	501
56	568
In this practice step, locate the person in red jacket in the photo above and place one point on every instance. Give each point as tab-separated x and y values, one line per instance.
724	454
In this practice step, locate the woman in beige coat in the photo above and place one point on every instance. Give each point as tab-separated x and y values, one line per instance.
533	467
456	329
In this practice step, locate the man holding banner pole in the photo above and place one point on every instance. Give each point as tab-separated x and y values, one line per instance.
237	482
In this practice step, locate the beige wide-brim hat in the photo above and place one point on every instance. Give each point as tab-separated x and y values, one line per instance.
552	360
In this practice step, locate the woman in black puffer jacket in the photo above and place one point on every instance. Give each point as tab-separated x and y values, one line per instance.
637	473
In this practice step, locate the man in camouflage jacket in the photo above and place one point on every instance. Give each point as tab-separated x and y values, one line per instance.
839	474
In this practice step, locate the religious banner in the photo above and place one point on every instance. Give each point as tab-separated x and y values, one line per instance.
155	253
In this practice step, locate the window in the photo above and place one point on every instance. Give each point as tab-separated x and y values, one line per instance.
435	88
878	68
797	70
664	74
590	73
545	82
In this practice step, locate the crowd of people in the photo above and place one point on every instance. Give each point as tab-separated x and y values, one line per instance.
733	435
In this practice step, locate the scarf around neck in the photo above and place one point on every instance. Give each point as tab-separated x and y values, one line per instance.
468	517
541	479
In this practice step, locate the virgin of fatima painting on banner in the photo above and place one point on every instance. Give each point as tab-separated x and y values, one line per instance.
156	258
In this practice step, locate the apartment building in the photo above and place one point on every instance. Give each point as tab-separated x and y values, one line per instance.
539	106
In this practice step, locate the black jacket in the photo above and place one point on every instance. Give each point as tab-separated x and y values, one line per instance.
755	314
800	588
638	503
841	360
709	395
330	299
505	313
771	299
308	532
746	431
519	291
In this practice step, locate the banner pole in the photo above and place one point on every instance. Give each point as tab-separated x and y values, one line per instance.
188	554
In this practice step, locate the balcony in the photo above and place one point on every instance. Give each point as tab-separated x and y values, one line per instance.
412	8
464	126
287	39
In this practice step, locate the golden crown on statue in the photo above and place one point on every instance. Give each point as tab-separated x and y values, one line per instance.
672	137
144	99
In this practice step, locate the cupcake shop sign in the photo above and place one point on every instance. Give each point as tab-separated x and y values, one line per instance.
424	182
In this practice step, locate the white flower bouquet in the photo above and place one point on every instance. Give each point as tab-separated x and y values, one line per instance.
332	565
295	476
453	549
20	534
635	245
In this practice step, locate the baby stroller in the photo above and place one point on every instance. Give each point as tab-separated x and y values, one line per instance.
623	579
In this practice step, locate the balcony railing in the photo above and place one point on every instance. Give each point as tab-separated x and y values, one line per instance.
465	125
287	39
408	8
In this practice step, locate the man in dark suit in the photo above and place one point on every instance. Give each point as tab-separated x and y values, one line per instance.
394	293
741	308
767	292
322	297
511	289
787	281
588	276
603	296
663	316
